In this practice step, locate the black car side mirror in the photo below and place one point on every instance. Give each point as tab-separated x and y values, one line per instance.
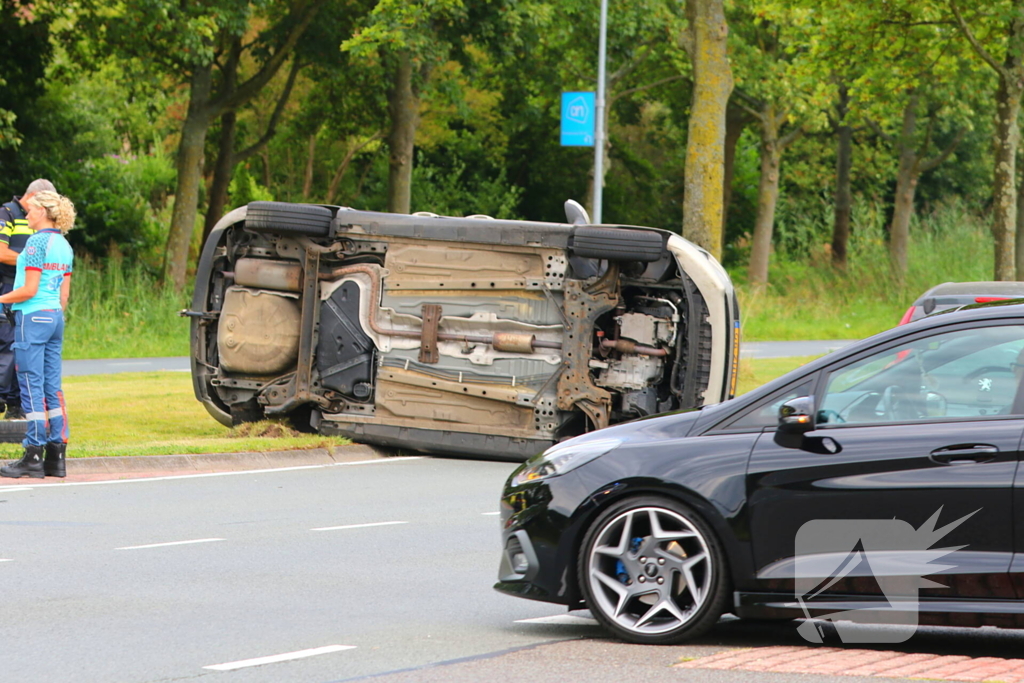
796	418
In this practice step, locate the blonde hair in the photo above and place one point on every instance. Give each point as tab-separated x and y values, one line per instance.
59	209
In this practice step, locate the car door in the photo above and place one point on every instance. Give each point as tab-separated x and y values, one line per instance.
923	434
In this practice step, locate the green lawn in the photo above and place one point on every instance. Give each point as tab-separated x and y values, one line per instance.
156	413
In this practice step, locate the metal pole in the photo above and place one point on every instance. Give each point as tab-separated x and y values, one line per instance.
599	120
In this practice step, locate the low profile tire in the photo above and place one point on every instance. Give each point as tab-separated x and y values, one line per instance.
652	571
617	244
282	217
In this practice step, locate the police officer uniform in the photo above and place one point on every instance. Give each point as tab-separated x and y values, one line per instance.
14	232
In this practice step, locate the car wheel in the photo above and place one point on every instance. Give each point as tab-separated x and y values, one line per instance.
282	217
652	572
617	244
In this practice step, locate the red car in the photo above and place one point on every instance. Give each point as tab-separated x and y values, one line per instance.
956	294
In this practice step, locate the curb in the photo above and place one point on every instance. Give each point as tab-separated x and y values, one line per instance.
219	462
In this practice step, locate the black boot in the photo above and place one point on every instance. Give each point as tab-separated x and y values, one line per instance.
30	465
53	465
14	413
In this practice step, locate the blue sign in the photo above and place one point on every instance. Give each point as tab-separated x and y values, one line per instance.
578	116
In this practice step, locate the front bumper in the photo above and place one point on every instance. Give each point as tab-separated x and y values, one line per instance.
540	536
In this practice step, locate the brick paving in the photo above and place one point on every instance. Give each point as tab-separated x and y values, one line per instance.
867	663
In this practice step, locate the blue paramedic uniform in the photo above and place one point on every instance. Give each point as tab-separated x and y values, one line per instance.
39	337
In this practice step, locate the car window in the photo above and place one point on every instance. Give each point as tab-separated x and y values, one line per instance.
962	374
766	412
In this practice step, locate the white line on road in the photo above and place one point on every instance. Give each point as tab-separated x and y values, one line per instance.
490	514
272	659
12	489
356	526
164	545
6	560
561	619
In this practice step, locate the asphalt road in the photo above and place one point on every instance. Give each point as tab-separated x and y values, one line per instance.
377	569
181	363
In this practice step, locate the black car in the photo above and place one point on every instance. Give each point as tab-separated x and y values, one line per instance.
660	525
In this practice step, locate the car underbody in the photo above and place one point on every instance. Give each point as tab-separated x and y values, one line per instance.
466	336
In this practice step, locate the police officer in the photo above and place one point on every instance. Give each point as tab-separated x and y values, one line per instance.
14	232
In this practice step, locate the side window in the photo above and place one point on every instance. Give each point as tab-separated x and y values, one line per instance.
963	374
766	413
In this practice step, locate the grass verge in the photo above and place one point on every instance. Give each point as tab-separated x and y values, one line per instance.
156	413
807	298
755	372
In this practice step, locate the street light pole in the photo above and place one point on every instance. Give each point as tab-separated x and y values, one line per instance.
599	120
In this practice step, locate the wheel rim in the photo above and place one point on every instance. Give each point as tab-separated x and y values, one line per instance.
649	570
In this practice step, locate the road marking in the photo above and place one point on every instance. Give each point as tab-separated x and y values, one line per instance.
561	620
490	514
355	526
12	489
164	545
6	560
200	475
273	659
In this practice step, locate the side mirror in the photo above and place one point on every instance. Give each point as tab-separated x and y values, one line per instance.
796	418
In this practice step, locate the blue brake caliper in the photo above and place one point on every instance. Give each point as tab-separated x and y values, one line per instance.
620	569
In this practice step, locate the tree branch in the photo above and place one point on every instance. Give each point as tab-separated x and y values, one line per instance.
932	163
879	132
640	88
247	90
982	52
275	117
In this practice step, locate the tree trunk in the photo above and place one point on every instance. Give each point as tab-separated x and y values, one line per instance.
404	106
705	146
307	183
1004	193
218	197
767	197
906	186
190	168
843	198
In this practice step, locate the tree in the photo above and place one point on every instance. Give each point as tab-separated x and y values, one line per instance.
705	43
201	45
775	97
410	39
1004	25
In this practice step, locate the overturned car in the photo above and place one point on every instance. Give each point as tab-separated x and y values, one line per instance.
468	336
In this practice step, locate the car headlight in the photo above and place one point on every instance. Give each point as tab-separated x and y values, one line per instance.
563	458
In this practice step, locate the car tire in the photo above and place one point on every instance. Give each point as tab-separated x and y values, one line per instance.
282	217
617	244
652	571
13	431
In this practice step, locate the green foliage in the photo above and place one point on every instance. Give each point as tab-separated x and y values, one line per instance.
808	299
451	191
117	199
118	310
244	188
